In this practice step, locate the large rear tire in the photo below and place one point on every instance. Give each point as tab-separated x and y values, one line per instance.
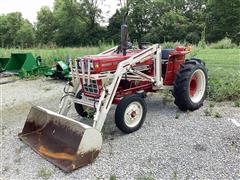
130	113
190	85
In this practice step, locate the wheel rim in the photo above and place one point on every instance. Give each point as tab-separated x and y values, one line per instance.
197	86
133	114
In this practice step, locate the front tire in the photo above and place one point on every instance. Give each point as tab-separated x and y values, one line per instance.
82	110
190	85
130	113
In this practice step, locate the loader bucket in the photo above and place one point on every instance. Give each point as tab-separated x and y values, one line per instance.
64	142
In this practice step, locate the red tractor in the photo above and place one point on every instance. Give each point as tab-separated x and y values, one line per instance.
154	70
122	76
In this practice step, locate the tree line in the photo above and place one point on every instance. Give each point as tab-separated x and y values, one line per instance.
78	23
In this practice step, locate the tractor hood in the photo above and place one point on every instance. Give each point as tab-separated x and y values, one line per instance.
114	56
109	62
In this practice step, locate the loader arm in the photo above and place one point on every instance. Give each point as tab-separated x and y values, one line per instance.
109	92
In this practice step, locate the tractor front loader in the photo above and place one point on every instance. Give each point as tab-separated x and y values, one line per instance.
121	76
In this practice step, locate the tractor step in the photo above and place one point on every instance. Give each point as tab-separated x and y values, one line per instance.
87	102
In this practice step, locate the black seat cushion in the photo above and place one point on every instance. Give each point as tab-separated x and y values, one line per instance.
165	53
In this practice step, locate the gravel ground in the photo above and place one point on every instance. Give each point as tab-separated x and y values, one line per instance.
170	145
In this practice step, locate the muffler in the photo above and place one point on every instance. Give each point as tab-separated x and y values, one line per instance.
63	141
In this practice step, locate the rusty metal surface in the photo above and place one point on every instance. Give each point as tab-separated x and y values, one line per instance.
57	143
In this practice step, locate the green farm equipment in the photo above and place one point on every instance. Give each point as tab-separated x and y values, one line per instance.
22	62
3	63
59	71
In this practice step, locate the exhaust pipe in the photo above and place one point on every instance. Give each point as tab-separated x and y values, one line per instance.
124	35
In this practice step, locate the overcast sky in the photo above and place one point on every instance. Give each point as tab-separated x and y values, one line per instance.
29	8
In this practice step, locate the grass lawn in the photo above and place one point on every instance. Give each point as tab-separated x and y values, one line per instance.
223	66
219	60
224	73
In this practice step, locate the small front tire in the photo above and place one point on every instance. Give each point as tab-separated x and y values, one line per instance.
130	113
82	110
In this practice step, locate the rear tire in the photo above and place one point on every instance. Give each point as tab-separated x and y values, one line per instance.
190	85
130	113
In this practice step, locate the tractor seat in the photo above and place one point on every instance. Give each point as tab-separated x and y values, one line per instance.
166	53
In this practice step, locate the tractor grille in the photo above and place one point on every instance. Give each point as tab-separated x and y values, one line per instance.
85	65
92	87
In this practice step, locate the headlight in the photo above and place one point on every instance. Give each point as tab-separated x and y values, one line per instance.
97	65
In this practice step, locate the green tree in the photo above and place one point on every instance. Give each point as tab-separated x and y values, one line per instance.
223	20
89	12
69	25
3	30
16	31
13	24
91	15
46	26
174	26
159	20
195	11
139	18
25	36
77	22
114	26
177	20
